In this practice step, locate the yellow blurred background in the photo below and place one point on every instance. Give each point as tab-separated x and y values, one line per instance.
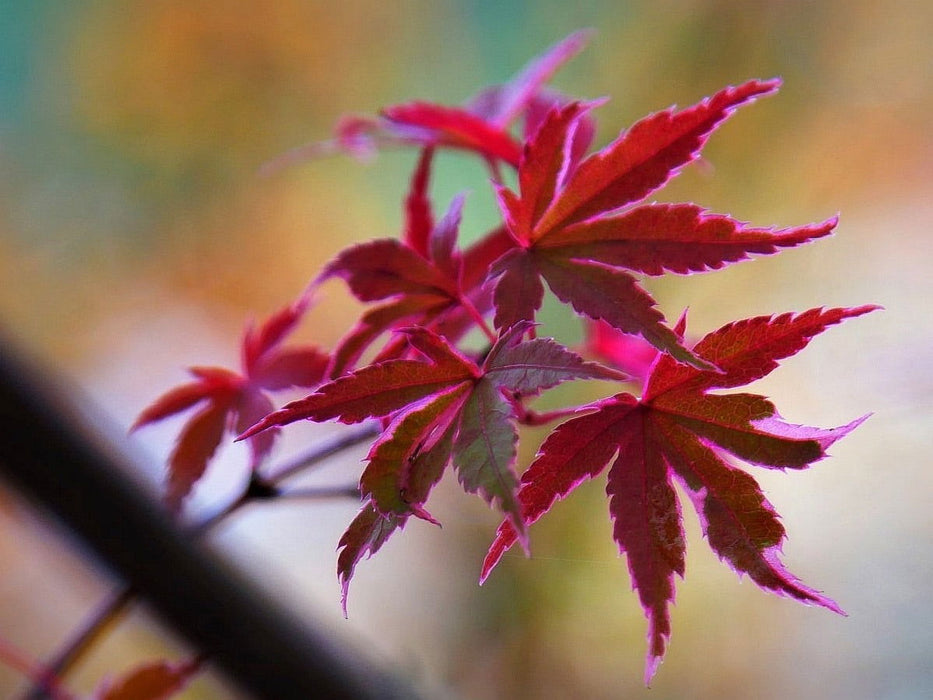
136	237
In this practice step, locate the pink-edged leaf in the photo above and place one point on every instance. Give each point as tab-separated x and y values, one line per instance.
512	99
196	444
302	366
645	157
545	160
747	350
374	391
648	529
393	456
530	367
434	124
485	449
748	426
172	402
253	406
158	680
601	292
739	523
384	268
419	219
258	341
379	389
682	238
575	451
518	292
363	538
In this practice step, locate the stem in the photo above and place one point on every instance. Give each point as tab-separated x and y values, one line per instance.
351	491
478	318
321	452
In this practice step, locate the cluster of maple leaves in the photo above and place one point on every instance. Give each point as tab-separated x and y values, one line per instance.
578	223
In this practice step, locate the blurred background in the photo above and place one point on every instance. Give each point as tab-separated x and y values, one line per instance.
136	238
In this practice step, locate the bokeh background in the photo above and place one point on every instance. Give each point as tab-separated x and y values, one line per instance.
136	237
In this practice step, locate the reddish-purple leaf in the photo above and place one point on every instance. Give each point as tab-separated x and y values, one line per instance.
172	402
544	164
303	367
682	238
678	429
647	527
530	367
739	523
258	342
747	350
433	124
518	293
385	268
365	536
419	219
251	407
236	401
395	454
577	450
371	392
197	443
645	157
602	292
485	448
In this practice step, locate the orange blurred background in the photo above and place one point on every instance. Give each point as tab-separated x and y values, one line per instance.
136	237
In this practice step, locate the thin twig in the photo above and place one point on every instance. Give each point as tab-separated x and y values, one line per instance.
323	451
350	491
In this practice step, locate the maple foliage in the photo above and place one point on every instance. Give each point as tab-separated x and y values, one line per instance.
233	401
448	409
575	222
679	430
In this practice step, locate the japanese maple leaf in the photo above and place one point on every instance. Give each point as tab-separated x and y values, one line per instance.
569	230
680	431
481	126
448	409
233	401
424	278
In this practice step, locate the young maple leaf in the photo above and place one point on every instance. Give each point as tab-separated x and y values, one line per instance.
680	430
233	401
568	233
481	126
447	409
425	279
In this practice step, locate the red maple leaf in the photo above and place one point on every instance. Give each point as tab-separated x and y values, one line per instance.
679	431
448	409
423	278
575	228
233	401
